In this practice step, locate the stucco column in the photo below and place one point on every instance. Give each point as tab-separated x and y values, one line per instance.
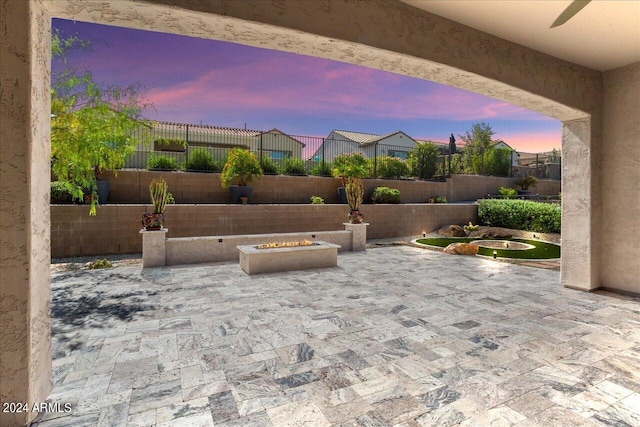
154	248
25	334
581	204
359	235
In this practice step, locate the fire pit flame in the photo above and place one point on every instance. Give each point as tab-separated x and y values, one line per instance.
285	244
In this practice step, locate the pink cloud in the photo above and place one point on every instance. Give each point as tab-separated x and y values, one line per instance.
317	87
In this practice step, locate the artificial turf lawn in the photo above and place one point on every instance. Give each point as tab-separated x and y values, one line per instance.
542	250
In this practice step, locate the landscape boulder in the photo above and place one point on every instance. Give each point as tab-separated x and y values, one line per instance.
452	231
461	249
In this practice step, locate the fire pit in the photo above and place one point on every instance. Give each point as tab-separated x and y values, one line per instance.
275	257
285	244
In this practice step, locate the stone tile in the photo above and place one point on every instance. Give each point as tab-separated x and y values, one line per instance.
115	415
304	412
155	396
338	376
395	405
223	407
184	409
530	403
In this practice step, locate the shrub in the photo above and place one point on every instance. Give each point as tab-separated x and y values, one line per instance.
293	167
61	193
317	200
497	161
170	199
508	193
202	160
99	263
521	215
385	195
527	182
391	167
470	227
438	199
268	166
423	160
321	169
241	167
347	166
162	162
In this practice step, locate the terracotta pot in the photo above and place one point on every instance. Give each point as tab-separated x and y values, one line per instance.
152	221
355	217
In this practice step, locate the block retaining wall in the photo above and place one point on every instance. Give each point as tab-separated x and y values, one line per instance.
115	230
131	186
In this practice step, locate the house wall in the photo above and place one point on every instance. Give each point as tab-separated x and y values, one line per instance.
131	187
335	146
278	142
621	180
397	140
115	230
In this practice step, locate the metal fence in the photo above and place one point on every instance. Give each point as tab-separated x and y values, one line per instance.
176	146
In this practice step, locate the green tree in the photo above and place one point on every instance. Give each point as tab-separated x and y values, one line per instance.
423	160
91	125
477	142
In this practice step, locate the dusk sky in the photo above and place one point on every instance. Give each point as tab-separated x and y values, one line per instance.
192	80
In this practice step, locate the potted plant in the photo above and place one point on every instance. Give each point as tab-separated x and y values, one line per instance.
346	166
525	183
355	192
241	167
159	197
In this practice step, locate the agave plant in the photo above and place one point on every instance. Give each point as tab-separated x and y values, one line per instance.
158	193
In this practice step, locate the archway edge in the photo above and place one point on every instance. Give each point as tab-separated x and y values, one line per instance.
423	45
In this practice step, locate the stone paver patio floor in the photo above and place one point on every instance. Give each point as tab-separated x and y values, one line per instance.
394	336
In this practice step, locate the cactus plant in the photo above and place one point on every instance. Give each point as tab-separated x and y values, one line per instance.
355	193
158	194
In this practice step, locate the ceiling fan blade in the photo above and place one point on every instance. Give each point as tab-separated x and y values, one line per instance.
575	7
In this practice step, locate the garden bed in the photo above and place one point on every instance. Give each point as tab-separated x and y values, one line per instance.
540	250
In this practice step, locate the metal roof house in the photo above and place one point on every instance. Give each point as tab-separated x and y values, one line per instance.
395	144
178	138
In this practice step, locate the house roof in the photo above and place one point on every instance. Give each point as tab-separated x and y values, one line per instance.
279	132
213	130
218	130
366	138
499	141
428	141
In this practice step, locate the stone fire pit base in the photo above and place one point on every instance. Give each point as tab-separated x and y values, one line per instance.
319	255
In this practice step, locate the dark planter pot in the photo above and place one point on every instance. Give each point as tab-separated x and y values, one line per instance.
103	192
342	195
524	192
152	221
238	191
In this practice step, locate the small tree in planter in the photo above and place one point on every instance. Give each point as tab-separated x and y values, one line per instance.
347	166
241	167
159	197
355	193
525	183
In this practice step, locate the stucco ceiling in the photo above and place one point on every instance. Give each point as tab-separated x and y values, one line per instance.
604	35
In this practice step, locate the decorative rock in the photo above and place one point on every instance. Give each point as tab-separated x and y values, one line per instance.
461	249
452	231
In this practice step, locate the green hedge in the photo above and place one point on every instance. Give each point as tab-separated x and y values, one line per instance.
385	195
521	215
